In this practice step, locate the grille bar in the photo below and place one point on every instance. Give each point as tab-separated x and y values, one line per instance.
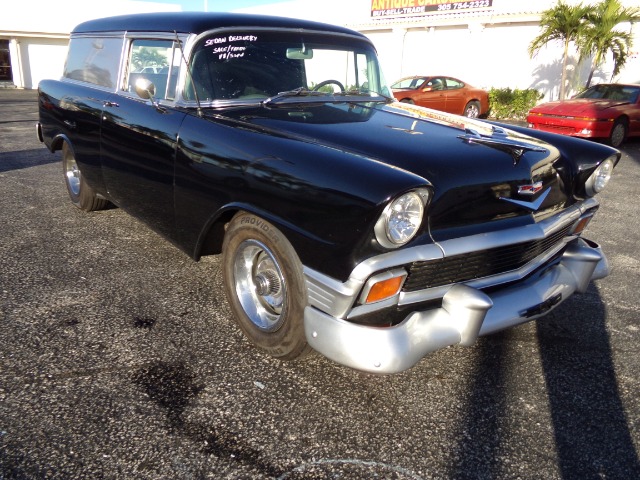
473	265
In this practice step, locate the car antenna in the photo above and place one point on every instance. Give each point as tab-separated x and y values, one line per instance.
184	59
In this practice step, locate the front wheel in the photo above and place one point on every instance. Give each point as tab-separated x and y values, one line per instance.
81	194
472	110
265	286
618	133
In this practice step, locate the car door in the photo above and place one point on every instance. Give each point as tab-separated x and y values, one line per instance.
139	138
634	113
431	94
91	73
455	96
81	116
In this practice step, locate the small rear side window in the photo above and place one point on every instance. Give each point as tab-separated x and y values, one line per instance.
453	84
94	60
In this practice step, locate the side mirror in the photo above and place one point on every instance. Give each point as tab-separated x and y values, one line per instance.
427	89
145	89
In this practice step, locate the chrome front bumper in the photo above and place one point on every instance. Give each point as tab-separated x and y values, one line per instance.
465	314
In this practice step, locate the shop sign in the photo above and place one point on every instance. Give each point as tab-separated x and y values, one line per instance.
401	8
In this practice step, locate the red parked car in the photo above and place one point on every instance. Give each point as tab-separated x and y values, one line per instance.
607	111
447	94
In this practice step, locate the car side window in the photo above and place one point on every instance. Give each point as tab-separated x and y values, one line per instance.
418	82
436	84
157	61
453	84
628	94
94	60
411	82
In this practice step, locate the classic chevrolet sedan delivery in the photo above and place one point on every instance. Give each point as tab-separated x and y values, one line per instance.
369	230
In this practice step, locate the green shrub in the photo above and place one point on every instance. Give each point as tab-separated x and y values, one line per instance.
507	104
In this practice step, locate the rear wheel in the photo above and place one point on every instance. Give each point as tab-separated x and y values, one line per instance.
472	110
81	194
265	286
618	133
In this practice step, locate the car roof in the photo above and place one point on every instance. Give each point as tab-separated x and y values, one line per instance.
198	22
636	85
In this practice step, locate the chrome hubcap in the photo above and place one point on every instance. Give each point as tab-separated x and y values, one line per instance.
73	175
472	111
260	285
617	136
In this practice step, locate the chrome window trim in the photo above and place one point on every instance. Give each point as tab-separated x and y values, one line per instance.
118	74
88	84
129	38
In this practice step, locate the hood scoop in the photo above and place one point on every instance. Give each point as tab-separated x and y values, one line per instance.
500	141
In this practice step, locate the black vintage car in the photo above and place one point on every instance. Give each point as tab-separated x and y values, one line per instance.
372	231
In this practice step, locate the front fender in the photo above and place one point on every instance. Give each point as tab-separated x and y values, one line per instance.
578	157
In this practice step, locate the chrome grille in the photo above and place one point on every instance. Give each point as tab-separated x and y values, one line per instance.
473	265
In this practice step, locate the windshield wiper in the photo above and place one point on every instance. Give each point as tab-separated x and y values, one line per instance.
304	92
297	92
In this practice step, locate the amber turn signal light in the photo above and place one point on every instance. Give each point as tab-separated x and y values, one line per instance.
581	225
384	289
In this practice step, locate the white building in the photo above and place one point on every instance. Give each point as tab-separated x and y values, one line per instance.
484	44
34	34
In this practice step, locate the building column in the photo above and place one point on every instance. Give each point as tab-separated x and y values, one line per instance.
396	61
15	57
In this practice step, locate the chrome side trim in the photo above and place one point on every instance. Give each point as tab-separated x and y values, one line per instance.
330	295
39	132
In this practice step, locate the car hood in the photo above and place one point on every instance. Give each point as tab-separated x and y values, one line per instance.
471	166
577	107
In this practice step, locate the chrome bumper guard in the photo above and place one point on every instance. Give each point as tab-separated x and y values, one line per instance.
466	313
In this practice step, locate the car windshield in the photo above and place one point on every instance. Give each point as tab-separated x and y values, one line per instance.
621	93
253	66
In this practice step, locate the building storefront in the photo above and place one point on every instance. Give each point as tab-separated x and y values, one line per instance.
5	61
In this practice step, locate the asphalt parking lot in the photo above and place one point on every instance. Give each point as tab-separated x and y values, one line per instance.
119	359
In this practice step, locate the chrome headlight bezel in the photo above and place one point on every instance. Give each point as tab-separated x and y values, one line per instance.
402	218
598	180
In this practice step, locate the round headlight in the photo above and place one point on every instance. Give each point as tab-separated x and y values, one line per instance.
401	219
599	178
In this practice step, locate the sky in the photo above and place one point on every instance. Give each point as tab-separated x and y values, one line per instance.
216	5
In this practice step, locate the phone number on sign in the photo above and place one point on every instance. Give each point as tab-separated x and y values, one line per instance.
465	5
382	8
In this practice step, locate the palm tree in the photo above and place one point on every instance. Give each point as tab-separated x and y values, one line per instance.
145	57
601	37
565	23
